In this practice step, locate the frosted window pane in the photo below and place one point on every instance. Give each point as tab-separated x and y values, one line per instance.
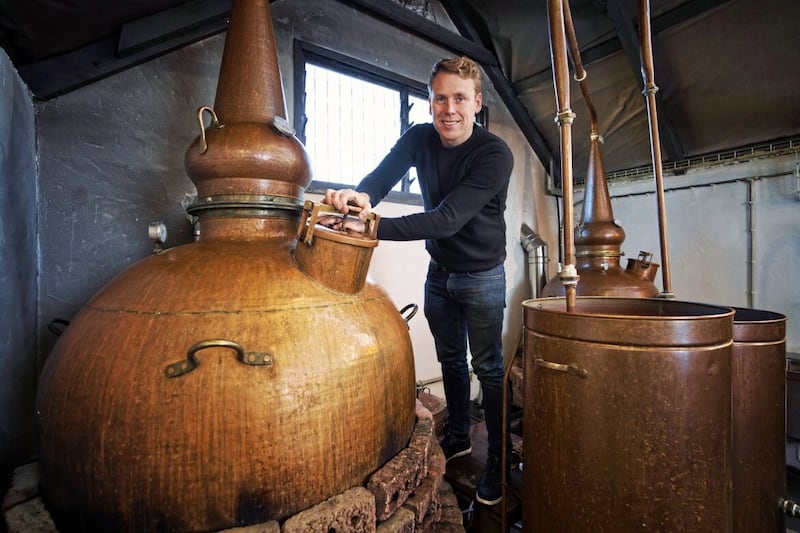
418	114
351	125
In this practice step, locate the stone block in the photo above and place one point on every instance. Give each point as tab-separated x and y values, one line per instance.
24	485
401	521
398	478
421	411
352	511
264	527
450	511
424	499
30	516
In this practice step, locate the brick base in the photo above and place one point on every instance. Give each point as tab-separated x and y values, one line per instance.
407	495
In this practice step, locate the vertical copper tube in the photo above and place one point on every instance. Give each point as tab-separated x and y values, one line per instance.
564	118
580	73
598	236
650	90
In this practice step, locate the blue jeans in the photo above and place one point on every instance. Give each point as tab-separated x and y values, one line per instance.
466	307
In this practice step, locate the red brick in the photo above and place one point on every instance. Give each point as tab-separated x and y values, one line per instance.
424	499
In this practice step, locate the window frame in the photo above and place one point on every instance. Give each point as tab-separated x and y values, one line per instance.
305	52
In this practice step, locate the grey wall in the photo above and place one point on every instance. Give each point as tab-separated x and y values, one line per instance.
717	217
112	162
18	266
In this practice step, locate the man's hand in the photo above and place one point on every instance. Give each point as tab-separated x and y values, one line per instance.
343	199
342	223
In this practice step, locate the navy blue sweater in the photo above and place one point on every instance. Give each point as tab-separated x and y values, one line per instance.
464	192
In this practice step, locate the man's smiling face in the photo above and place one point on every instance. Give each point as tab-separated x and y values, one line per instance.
454	104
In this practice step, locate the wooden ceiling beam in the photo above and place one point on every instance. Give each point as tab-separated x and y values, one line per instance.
139	41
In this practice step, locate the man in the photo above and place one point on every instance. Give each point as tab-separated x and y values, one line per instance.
463	172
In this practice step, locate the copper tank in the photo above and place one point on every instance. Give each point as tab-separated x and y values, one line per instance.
758	388
219	383
627	424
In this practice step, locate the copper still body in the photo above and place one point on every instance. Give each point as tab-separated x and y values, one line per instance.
219	383
758	389
627	423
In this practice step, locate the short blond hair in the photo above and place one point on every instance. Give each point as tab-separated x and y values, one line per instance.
462	65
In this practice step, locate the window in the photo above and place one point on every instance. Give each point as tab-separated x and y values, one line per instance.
349	114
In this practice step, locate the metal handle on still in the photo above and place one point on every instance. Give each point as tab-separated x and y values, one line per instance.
191	362
412	309
313	211
570	368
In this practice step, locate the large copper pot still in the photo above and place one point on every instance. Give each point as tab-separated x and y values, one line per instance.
222	383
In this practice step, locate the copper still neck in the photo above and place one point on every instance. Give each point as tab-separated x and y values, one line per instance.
598	234
247	161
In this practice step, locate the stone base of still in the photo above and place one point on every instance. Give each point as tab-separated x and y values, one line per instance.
407	495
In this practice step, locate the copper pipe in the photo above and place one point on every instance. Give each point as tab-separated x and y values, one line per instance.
577	66
564	118
650	90
598	235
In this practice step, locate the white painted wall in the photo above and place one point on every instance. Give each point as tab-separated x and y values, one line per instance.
710	234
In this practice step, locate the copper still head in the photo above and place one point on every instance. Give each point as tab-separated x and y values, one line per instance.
598	240
248	155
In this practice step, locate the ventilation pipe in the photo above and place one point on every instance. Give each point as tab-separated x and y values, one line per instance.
537	250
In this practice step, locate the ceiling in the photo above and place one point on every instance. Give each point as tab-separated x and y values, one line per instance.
727	71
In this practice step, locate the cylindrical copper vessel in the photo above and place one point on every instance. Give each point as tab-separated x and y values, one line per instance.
218	383
758	388
627	416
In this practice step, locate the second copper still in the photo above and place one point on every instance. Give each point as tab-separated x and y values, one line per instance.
219	383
